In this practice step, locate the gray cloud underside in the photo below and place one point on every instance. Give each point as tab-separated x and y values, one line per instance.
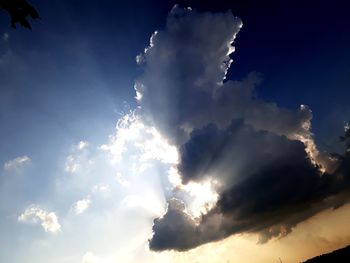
278	188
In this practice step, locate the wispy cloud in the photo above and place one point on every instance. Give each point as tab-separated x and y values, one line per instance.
36	215
76	158
72	165
100	188
16	163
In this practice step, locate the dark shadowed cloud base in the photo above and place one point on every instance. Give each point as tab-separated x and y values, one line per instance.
285	190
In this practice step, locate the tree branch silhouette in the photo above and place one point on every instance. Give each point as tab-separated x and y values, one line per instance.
19	11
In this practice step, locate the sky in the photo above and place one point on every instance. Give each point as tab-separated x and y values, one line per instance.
175	131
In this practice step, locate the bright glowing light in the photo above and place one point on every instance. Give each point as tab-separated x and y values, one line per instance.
157	148
148	202
325	163
203	194
138	139
139	146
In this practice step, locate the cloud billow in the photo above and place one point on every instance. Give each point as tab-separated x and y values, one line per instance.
35	215
270	174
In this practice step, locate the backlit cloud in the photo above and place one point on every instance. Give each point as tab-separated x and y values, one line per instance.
258	162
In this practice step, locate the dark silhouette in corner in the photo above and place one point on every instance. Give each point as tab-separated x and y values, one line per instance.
19	11
338	256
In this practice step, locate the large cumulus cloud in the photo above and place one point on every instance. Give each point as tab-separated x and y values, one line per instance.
183	86
271	175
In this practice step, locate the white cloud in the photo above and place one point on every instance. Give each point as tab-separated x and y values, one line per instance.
134	137
17	162
71	165
82	145
36	215
81	206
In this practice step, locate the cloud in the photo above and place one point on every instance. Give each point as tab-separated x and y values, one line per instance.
182	66
89	257
6	36
72	165
81	206
270	175
183	85
175	230
75	160
82	145
267	191
16	163
136	138
36	215
100	188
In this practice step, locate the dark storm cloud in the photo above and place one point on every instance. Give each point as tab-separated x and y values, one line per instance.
237	152
284	189
176	229
262	155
